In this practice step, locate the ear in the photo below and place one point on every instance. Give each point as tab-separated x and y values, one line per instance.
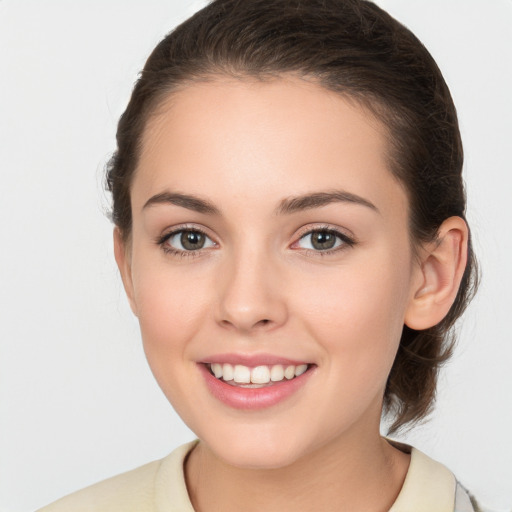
123	260
442	265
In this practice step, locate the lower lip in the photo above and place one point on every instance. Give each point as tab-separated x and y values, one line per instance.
252	398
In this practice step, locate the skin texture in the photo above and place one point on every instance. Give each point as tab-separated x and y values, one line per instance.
258	287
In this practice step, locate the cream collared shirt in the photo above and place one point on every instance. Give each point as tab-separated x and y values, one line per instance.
160	487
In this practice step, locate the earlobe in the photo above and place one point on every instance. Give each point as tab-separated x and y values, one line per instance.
123	260
440	270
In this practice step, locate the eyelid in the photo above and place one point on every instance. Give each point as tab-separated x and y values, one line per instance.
170	231
174	230
347	238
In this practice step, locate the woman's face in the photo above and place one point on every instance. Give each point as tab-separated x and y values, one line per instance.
269	234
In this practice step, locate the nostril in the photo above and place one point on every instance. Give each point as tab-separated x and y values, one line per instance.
259	324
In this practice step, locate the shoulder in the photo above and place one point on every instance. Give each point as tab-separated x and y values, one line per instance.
139	490
130	491
430	486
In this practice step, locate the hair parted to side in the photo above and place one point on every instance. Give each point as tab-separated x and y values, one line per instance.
356	49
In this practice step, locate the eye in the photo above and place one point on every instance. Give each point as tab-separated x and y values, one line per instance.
187	240
323	240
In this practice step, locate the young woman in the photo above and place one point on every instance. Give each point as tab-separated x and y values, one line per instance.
290	230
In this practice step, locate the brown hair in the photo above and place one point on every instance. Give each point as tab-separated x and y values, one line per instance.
356	49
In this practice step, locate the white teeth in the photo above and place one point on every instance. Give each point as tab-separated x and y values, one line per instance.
299	370
227	372
260	375
289	373
263	374
276	373
217	370
242	374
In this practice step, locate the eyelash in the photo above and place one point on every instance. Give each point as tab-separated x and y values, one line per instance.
161	241
346	241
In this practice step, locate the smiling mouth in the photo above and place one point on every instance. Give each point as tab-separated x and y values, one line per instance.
239	375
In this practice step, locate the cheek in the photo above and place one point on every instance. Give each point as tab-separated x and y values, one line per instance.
171	308
358	317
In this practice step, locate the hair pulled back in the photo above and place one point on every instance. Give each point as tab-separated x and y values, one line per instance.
356	49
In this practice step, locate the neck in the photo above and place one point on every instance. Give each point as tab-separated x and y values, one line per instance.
356	472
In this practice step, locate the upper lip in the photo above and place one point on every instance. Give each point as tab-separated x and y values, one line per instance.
252	360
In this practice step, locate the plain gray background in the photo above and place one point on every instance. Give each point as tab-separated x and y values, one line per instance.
77	401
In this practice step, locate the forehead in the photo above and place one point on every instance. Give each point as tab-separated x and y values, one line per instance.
286	135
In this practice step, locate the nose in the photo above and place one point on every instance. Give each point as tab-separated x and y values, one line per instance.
252	297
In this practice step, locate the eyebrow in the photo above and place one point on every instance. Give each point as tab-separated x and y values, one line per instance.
286	206
319	199
185	201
